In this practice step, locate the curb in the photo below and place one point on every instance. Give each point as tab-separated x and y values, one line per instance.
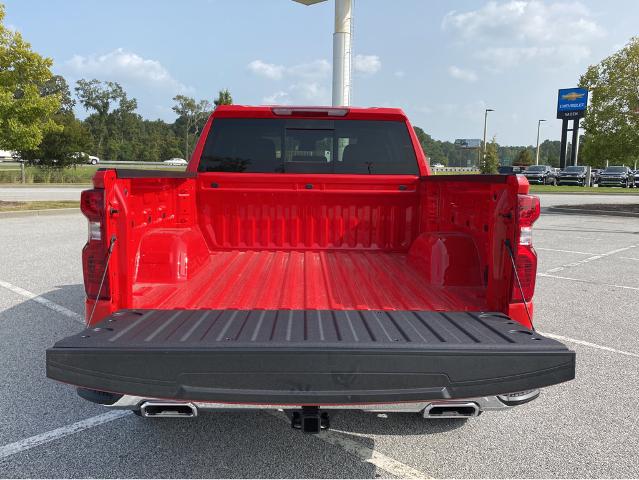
39	213
583	211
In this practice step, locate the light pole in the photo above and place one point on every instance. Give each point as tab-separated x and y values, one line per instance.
537	156
341	50
485	125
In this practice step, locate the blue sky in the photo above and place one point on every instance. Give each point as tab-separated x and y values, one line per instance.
442	62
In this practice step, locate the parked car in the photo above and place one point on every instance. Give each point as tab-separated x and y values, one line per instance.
594	176
617	176
573	175
510	170
176	162
636	176
269	276
541	174
82	157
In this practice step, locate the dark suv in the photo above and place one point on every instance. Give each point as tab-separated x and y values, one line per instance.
616	177
573	175
542	174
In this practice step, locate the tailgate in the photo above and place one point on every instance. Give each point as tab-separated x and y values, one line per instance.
309	356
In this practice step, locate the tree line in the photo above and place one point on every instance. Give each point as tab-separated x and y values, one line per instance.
449	154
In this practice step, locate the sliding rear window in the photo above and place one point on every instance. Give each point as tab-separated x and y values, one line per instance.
308	146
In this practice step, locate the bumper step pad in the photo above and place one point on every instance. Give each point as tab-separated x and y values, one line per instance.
310	357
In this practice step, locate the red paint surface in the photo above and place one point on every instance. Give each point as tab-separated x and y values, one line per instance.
277	241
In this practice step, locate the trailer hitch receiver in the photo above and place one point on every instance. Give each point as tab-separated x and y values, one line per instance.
310	420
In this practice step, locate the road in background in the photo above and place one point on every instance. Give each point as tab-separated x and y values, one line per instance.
588	292
27	194
18	193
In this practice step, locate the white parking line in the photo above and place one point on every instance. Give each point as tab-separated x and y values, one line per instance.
589	344
43	301
564	251
52	435
386	463
590	259
630	258
626	287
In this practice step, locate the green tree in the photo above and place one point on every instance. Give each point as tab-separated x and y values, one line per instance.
57	85
192	115
524	158
25	115
490	162
612	120
432	148
223	98
97	96
59	148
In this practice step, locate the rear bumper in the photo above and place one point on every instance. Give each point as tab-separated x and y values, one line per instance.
483	404
309	358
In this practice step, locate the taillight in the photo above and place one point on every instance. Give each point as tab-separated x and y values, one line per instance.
95	251
528	212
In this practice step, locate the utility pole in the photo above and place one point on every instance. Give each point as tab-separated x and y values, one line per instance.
342	52
483	156
537	156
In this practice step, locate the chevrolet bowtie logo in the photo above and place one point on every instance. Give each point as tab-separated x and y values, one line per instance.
572	96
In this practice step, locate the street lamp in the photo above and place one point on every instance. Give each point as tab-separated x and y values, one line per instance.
538	125
485	124
341	50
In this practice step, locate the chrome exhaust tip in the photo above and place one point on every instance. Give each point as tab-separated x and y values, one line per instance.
452	410
168	410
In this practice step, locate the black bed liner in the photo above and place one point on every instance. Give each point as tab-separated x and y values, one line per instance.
309	356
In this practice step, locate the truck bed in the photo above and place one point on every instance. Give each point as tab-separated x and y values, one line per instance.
330	280
310	357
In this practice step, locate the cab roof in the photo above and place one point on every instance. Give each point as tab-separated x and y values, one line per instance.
291	111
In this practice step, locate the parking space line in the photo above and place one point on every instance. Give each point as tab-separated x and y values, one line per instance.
626	287
43	301
590	259
386	463
564	251
630	258
52	435
589	344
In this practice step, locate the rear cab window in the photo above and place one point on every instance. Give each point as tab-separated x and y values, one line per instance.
273	145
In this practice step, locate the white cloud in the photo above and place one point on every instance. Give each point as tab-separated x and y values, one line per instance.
120	65
268	70
312	70
515	31
462	74
307	83
278	98
367	64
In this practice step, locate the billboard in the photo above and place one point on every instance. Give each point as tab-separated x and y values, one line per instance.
572	103
468	143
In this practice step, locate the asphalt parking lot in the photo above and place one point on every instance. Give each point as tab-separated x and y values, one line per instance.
587	296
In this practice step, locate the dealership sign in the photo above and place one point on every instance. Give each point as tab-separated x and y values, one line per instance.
572	102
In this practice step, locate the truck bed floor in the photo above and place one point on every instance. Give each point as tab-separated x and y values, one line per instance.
331	280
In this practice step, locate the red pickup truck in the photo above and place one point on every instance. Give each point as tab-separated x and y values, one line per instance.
308	261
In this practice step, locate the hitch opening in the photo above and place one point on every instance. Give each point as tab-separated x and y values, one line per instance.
310	420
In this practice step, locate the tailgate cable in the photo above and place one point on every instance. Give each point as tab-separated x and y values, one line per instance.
106	266
521	290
